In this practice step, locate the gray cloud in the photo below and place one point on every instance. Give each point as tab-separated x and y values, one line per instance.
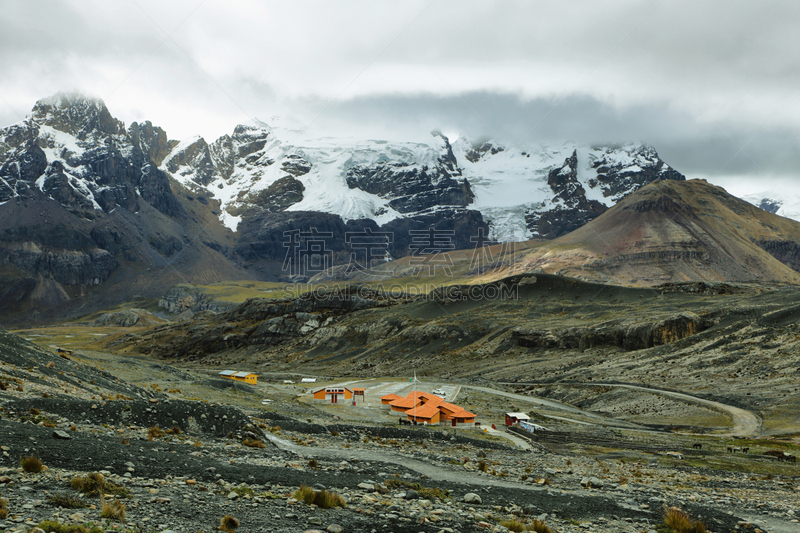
712	85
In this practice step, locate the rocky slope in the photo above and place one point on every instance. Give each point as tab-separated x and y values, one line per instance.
673	231
89	220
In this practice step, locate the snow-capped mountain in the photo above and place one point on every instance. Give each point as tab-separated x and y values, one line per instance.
538	191
73	150
779	203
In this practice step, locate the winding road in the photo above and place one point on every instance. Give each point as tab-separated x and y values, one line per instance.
745	423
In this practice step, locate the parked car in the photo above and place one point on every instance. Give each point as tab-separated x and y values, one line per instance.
440	392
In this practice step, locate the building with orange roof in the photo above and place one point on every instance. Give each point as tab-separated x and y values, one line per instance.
333	394
422	407
427	414
389	398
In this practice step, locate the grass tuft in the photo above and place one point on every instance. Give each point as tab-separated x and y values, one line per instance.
154	433
515	525
96	484
31	464
66	501
328	500
54	526
428	493
228	523
253	443
678	521
322	499
113	510
3	508
304	494
90	485
539	526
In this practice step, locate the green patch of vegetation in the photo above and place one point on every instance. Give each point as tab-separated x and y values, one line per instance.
241	491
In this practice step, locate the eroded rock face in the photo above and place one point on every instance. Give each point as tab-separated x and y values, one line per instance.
625	335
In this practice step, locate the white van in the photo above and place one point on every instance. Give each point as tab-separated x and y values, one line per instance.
440	393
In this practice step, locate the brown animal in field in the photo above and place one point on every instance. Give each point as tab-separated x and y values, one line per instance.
730	450
781	456
697	446
745	450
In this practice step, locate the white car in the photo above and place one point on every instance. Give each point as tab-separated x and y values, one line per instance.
440	392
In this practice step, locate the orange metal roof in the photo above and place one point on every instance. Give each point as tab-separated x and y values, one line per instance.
427	405
391	396
453	408
408	401
426	411
358	388
434	401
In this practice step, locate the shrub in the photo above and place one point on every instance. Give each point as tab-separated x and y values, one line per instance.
31	464
253	443
679	521
539	526
482	466
113	510
3	508
228	523
66	501
154	433
334	433
34	411
174	431
313	463
4	385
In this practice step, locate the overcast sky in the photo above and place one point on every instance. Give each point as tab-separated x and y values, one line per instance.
714	86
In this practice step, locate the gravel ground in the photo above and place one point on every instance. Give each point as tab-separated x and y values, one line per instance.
86	420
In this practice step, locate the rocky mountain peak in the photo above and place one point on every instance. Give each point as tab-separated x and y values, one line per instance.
76	114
